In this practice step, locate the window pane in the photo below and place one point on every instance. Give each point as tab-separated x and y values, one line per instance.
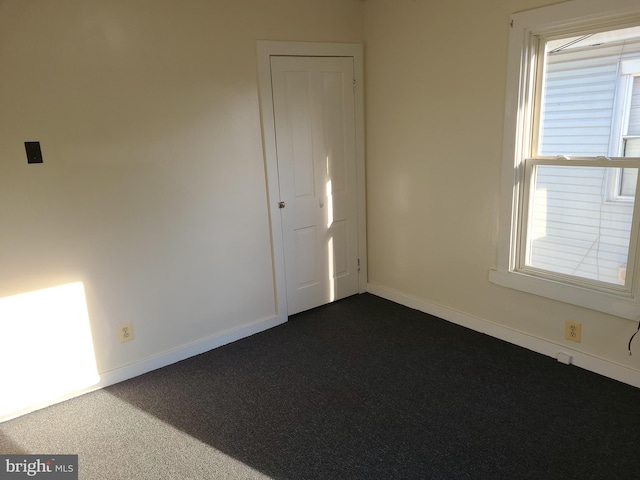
573	230
628	180
632	147
578	109
634	109
629	176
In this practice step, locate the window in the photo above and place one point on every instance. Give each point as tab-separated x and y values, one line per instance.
570	221
628	144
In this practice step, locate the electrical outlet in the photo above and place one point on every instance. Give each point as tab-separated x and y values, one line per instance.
573	331
125	332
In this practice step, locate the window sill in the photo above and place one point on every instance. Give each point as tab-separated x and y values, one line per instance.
618	305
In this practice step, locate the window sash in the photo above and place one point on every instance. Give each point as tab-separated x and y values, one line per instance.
526	231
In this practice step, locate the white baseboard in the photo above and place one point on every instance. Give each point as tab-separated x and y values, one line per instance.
588	362
592	363
149	364
186	351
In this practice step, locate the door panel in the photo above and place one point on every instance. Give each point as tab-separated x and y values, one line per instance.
300	132
313	101
306	256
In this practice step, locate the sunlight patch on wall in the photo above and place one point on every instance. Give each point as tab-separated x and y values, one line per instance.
46	348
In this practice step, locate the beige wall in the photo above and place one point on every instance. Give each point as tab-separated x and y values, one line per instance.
435	101
152	191
153	188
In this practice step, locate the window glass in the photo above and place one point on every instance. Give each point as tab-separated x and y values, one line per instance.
628	180
634	109
632	147
572	231
582	103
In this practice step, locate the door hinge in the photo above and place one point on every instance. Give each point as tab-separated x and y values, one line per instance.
354	84
358	265
280	204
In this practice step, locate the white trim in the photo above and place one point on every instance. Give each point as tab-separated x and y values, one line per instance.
169	357
266	49
579	15
583	360
602	302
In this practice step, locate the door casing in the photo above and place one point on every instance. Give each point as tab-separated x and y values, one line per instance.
265	50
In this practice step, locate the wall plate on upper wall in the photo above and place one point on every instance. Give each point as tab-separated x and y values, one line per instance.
34	153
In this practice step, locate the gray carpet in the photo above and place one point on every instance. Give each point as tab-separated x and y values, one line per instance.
359	389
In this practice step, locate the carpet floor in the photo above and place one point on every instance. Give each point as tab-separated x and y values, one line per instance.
359	389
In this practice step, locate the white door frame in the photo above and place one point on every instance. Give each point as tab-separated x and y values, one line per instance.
266	49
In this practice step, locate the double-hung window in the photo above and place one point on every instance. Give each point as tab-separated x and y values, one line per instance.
571	213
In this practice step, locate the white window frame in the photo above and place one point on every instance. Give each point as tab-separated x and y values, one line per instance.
564	19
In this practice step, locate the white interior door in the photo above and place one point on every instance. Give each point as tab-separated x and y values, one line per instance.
314	115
